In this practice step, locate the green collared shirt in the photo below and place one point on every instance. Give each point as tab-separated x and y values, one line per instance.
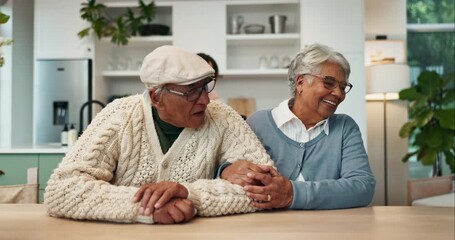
167	133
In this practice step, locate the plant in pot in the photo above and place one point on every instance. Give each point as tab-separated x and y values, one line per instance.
146	27
120	29
431	127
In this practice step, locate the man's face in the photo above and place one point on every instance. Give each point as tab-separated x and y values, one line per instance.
178	111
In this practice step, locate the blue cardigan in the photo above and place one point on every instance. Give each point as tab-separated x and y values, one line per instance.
335	166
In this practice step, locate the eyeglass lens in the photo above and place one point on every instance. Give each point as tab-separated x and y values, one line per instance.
194	94
331	83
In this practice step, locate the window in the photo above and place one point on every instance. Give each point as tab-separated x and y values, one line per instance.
431	36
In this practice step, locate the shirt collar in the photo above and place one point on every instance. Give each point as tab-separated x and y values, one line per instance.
283	114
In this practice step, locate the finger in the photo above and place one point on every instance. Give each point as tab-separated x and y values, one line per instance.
162	217
258	197
152	201
266	168
258	168
265	179
274	172
262	205
176	214
139	194
187	208
145	197
255	189
163	198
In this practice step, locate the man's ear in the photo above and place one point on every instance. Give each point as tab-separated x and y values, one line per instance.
155	96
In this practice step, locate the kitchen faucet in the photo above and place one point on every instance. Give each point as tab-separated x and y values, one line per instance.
81	112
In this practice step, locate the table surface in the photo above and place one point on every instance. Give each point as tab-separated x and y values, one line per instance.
444	200
29	221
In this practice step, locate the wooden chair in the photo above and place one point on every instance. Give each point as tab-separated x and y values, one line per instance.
22	193
428	187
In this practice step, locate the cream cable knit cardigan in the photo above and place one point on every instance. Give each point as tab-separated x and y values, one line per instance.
120	151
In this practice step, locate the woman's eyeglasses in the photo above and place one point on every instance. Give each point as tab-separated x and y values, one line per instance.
331	83
194	94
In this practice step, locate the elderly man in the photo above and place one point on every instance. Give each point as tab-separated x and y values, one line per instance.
148	158
320	155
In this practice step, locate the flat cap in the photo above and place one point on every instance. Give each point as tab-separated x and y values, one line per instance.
170	64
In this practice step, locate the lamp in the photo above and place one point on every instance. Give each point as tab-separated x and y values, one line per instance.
384	81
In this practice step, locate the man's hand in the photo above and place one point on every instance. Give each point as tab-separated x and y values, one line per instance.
175	211
276	191
156	195
237	172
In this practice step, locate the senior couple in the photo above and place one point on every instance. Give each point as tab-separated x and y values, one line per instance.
152	158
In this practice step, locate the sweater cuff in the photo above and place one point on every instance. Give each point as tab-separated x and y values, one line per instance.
299	195
144	219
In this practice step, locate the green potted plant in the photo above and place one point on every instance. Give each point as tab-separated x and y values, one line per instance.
120	29
431	127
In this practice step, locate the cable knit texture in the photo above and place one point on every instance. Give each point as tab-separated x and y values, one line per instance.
119	151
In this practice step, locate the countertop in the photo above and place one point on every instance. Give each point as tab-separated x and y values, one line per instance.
34	149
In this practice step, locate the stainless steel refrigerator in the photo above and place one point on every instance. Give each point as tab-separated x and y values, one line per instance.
61	87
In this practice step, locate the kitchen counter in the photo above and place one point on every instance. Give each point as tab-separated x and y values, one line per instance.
35	149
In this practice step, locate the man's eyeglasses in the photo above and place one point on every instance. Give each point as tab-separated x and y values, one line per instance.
194	94
331	83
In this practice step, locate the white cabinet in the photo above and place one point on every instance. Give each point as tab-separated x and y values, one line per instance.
264	54
56	24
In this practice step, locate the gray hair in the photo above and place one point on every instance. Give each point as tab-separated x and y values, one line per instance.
309	60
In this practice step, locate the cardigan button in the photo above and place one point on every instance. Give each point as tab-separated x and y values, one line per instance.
165	165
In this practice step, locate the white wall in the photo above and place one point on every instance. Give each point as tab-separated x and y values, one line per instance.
387	17
17	75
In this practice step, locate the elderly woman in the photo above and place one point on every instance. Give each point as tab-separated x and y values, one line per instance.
148	158
320	155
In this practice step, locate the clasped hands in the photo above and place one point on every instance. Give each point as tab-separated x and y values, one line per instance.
263	184
166	201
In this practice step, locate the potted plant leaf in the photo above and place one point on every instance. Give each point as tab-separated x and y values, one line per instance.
147	27
431	127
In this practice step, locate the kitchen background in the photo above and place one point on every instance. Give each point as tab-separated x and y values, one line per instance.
47	29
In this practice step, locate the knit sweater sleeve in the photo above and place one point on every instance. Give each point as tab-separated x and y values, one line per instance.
216	196
80	187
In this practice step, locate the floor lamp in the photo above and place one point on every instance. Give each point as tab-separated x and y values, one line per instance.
384	81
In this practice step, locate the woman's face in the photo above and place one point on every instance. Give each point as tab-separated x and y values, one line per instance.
180	112
318	102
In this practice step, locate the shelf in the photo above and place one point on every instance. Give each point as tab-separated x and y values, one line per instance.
263	39
118	74
236	73
158	40
233	73
126	4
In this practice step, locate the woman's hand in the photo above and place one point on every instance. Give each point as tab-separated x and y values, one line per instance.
175	211
155	195
237	172
276	191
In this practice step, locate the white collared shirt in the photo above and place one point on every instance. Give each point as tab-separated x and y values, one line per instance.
294	129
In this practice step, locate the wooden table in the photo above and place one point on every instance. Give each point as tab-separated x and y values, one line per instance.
23	221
